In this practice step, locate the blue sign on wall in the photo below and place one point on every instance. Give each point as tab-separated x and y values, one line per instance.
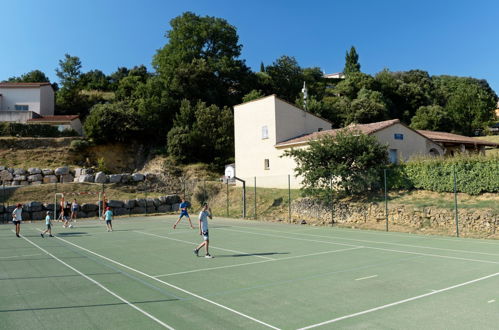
398	136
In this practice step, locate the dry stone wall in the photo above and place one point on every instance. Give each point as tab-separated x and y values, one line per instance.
38	210
372	215
34	176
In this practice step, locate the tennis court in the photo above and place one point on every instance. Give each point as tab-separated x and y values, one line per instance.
144	275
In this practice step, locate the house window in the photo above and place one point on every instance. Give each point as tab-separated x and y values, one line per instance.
265	132
266	164
21	107
398	136
393	156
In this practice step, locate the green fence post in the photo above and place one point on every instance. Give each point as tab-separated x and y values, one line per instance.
145	190
386	200
455	201
332	200
255	197
289	198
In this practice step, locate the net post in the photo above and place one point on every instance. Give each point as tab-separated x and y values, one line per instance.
289	198
227	184
255	198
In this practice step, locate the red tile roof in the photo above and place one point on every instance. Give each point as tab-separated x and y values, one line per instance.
23	85
364	128
444	137
54	119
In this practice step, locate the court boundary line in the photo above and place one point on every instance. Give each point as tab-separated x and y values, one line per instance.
172	286
101	286
398	302
397	244
257	262
211	246
370	247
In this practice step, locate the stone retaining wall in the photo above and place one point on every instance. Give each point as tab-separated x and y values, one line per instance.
34	176
37	210
372	215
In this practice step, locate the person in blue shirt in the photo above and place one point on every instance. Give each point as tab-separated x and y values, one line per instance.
108	216
183	213
48	224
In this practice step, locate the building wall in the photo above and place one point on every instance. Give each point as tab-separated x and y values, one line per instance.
47	101
412	144
292	121
283	121
76	125
21	96
15	116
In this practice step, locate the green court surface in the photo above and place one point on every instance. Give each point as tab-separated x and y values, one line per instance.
144	275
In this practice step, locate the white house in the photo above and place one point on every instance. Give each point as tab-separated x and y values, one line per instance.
61	122
265	128
22	101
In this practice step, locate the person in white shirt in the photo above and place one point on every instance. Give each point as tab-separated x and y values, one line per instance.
203	230
48	224
17	217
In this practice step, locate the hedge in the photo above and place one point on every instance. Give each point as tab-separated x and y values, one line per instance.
33	130
474	174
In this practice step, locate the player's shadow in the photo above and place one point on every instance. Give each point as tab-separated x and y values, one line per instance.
73	233
250	254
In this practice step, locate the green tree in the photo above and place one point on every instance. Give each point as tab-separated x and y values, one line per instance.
351	62
368	107
348	161
202	133
69	72
470	108
253	95
286	78
109	123
353	83
94	80
200	61
431	117
30	77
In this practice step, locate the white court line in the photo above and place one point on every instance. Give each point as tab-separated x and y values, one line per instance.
398	302
365	278
25	255
388	243
288	237
101	286
257	262
211	247
491	301
170	285
372	248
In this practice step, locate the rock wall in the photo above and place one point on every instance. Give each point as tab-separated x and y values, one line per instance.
34	176
37	210
372	215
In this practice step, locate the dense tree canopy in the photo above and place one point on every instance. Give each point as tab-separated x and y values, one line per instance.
201	61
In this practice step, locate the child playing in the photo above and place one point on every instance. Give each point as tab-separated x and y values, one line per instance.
49	226
74	210
17	218
203	230
183	212
108	216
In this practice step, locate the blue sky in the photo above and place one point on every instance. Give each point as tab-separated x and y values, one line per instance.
442	37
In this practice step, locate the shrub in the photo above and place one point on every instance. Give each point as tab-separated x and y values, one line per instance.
474	174
79	145
204	191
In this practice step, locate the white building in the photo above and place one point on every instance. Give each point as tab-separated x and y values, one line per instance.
22	101
265	128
